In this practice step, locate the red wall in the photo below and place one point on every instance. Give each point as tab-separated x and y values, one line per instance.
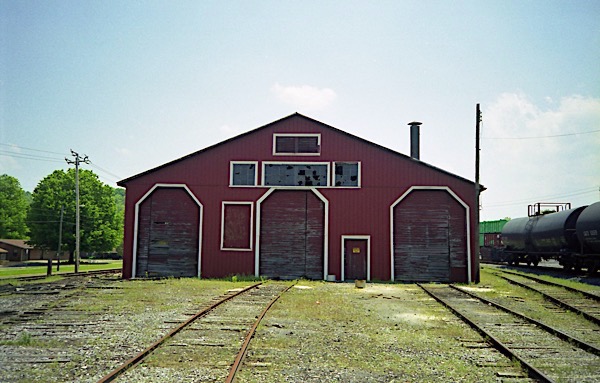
385	176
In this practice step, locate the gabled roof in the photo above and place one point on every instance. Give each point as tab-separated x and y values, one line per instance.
294	115
22	243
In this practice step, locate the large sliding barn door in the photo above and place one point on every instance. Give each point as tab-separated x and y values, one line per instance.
292	235
429	237
168	234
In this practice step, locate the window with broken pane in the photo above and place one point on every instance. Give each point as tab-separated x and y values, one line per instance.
346	174
243	174
296	175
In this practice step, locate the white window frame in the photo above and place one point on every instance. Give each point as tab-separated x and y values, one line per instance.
250	233
275	135
332	180
231	166
266	163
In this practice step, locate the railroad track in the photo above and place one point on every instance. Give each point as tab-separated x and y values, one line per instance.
209	346
592	293
581	302
61	274
551	271
547	354
20	303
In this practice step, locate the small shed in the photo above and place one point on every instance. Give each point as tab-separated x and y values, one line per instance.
298	198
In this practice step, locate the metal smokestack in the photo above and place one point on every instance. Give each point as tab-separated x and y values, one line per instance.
414	139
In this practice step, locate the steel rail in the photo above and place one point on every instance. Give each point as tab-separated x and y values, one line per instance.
61	274
244	349
556	332
555	300
143	354
532	372
587	294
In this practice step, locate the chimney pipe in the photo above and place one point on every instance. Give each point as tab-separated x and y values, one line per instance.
414	139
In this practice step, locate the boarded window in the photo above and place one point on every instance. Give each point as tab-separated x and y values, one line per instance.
306	144
296	174
243	174
236	226
347	174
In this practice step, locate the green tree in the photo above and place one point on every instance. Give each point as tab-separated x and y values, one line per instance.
13	208
99	228
119	196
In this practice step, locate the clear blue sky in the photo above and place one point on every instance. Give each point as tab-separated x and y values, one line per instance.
134	84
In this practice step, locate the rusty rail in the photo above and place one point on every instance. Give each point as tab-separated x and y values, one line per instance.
139	357
533	372
244	349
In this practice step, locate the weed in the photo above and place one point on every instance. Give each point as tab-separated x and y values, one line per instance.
24	339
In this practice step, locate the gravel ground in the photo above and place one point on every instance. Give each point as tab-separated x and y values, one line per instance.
317	332
383	333
86	337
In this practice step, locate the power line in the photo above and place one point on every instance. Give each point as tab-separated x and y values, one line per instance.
536	137
564	195
47	159
35	150
106	171
29	156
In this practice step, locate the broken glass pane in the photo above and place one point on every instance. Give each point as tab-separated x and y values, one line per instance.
296	175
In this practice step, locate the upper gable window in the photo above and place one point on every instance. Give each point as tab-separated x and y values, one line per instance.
347	174
243	173
297	144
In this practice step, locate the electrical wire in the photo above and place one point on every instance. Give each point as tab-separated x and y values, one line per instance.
34	150
106	171
29	156
537	137
50	159
554	196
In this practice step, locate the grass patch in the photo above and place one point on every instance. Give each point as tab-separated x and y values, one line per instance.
7	272
23	339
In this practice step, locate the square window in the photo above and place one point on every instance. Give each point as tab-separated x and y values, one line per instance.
243	174
347	174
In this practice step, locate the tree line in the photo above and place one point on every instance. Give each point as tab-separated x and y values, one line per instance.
36	217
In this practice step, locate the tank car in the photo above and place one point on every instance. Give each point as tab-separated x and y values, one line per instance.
588	234
571	236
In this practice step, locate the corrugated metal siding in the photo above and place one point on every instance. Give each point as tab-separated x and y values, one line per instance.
168	235
488	231
429	237
291	235
385	176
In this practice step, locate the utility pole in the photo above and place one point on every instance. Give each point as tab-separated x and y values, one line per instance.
76	162
477	149
477	186
62	210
